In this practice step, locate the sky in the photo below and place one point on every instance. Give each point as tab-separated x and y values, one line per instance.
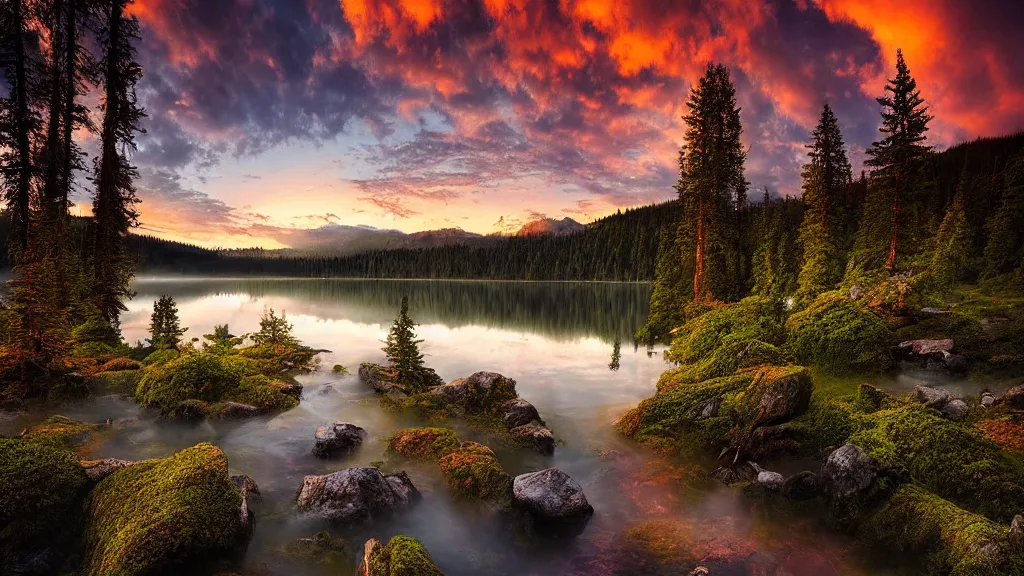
267	117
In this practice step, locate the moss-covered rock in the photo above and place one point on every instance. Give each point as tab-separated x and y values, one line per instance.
159	514
402	556
121	363
474	471
323	549
951	459
728	337
64	432
839	334
949	540
43	488
423	442
266	394
119	381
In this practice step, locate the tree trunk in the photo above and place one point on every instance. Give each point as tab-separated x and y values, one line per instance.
70	93
51	192
106	234
897	208
698	269
21	122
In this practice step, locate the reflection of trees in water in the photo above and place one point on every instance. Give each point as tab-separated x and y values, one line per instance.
556	309
616	355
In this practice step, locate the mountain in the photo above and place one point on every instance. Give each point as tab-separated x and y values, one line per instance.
343	240
551	226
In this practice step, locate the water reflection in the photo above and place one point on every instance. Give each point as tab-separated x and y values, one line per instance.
552	338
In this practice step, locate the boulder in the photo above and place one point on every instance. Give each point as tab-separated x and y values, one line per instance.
766	478
293	389
535	435
97	470
481	393
377	377
430	443
851	481
403	556
519	412
356	494
956	410
924	348
955	363
931	397
1015	397
337	439
551	496
801	486
234	411
474	471
779	399
988	400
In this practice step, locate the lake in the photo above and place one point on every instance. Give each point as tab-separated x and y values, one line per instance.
555	339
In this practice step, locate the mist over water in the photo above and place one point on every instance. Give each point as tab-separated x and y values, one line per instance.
554	339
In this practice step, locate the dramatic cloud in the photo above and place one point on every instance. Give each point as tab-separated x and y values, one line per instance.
427	112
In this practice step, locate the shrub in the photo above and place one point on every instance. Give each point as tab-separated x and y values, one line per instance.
160	357
838	334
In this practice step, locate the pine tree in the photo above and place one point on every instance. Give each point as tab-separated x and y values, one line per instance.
114	203
826	182
403	354
892	211
711	185
952	245
275	331
668	295
164	325
1005	246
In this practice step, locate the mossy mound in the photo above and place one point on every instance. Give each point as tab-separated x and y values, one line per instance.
120	381
949	540
728	337
211	378
474	471
322	549
121	363
98	350
839	335
424	442
403	556
160	357
827	423
63	432
951	459
160	514
43	488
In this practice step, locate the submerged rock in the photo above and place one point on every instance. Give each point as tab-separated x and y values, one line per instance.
234	411
337	439
519	412
537	436
402	556
378	378
956	410
356	494
931	397
249	490
551	496
956	363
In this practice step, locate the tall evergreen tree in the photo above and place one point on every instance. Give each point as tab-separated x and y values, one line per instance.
826	183
668	294
711	185
114	203
1005	245
164	326
952	245
404	356
892	217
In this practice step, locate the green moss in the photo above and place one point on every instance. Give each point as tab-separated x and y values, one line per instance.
728	337
63	432
160	357
792	382
423	442
967	333
474	471
948	539
827	423
403	556
43	488
838	334
323	549
339	369
427	405
157	514
122	381
261	392
99	350
953	460
205	377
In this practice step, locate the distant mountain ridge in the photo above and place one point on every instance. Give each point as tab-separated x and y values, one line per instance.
551	226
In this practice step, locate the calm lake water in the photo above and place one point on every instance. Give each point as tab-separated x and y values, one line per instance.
554	339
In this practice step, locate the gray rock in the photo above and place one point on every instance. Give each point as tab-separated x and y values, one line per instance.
988	400
1015	396
801	486
955	363
551	496
97	470
355	494
337	439
768	479
249	490
519	412
1017	531
853	482
927	347
478	392
376	377
704	410
956	410
782	399
931	397
293	389
536	436
928	310
856	292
